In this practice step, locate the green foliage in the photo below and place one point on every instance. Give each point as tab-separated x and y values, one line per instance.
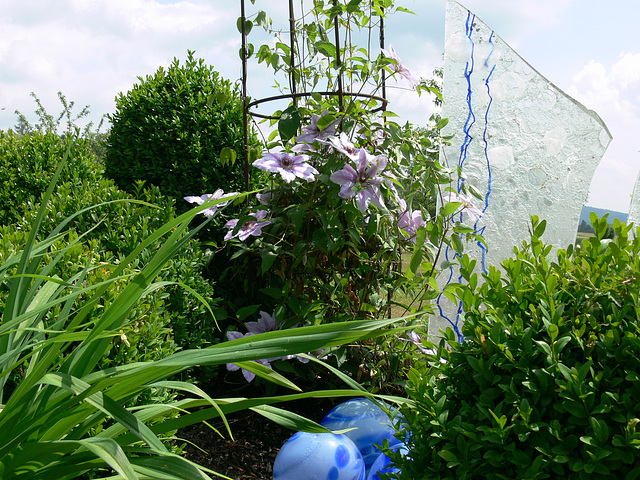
546	383
65	416
118	224
324	257
173	317
319	62
112	230
47	123
171	129
26	168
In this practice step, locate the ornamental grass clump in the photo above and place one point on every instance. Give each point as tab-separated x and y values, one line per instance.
547	381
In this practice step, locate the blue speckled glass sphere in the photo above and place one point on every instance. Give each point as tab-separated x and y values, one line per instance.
372	423
383	463
318	456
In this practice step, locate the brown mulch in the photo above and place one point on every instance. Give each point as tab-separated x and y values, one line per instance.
250	456
257	441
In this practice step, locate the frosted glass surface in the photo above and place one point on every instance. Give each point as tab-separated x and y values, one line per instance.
634	211
525	145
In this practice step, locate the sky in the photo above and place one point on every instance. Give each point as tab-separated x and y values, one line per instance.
93	50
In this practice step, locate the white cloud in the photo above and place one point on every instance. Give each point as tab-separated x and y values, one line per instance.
609	92
627	71
93	49
613	93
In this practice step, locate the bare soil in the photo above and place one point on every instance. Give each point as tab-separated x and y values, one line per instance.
256	443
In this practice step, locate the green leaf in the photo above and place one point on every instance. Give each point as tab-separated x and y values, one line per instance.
268	374
540	228
268	257
449	457
228	156
248	25
461	228
290	420
104	403
544	346
443	122
261	19
168	467
325	120
108	450
553	332
450	208
289	123
219	98
501	421
416	260
326	48
247	311
457	243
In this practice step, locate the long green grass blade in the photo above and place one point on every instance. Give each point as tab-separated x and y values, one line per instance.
105	404
167	468
290	420
191	388
108	450
268	374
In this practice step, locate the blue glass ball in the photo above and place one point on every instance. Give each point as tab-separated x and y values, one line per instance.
318	456
371	422
383	464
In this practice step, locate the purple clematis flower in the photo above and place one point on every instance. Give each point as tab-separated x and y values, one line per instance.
208	197
363	183
304	148
344	146
417	341
399	67
264	324
249	376
252	227
312	133
288	165
266	197
410	221
466	205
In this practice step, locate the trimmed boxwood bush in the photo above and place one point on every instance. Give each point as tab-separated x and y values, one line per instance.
169	130
547	381
26	168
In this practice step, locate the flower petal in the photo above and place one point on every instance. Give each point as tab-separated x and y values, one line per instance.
346	176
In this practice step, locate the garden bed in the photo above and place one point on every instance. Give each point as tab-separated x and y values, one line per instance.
256	443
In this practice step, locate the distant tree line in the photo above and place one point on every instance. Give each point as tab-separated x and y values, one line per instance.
586	227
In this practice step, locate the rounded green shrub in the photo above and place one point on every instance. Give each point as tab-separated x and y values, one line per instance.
547	381
170	129
26	168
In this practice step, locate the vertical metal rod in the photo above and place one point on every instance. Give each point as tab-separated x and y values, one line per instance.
245	116
338	61
292	36
384	73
